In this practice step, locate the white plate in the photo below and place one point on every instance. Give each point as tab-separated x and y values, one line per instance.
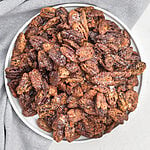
31	121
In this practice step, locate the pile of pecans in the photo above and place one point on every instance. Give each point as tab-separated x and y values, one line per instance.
77	71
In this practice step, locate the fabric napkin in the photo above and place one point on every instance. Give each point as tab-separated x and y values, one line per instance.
14	134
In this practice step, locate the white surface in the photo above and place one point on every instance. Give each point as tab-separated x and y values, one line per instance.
135	133
31	121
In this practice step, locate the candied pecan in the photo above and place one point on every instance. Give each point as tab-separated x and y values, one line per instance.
131	97
57	56
117	115
71	43
85	53
51	22
63	72
90	67
99	130
58	127
58	100
92	36
138	68
52	90
24	85
28	112
73	35
89	126
69	53
110	127
50	119
80	129
31	31
101	88
15	61
79	27
72	102
104	78
101	104
63	13
44	61
87	105
72	67
102	48
90	94
103	27
109	62
132	82
45	110
14	72
42	124
20	45
41	98
77	91
123	105
12	86
75	115
58	135
86	86
36	79
61	86
73	17
37	41
84	21
126	53
74	79
112	97
70	133
47	12
86	9
32	58
36	22
62	26
93	17
24	62
54	78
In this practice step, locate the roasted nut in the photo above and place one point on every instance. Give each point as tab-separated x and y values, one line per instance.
36	79
47	12
12	85
90	67
42	124
70	132
73	17
75	115
44	61
74	35
131	99
51	23
63	72
117	115
37	41
20	44
101	104
24	85
69	53
85	53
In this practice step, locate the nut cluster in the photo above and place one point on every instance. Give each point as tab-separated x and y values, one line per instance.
77	71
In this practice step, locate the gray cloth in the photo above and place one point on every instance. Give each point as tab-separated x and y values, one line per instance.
14	134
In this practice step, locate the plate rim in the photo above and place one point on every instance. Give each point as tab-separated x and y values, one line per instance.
73	4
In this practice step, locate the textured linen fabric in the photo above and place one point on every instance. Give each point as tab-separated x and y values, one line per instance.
14	134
